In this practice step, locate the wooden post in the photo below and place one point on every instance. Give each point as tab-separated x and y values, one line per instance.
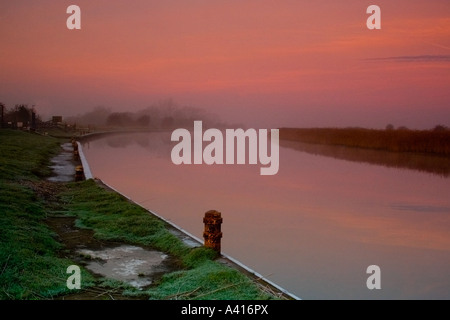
76	154
2	114
212	233
79	173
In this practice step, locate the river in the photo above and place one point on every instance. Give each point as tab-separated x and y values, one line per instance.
313	228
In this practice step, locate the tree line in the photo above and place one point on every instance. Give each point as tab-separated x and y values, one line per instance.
21	115
433	141
165	114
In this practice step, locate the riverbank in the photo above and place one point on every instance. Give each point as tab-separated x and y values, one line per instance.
431	142
45	224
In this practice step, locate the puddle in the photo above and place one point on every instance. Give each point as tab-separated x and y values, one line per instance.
63	165
134	265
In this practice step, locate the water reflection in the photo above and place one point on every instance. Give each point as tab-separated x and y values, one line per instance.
421	162
157	142
437	165
313	228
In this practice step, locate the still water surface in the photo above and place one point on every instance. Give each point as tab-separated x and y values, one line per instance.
313	228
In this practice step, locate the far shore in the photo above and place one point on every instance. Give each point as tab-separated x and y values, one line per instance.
432	142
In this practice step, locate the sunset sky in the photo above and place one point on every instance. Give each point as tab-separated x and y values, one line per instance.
264	63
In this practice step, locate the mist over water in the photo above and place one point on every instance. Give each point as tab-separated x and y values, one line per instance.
165	114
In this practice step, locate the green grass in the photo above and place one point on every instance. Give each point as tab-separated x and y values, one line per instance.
25	155
208	281
115	218
29	266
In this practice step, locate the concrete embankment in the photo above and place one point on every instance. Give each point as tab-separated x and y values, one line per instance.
187	237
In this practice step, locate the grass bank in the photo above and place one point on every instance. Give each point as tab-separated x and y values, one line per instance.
33	263
114	218
29	265
435	142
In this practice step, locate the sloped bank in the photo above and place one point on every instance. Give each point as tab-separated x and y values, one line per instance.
30	266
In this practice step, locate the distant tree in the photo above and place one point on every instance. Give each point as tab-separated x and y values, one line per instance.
95	117
20	113
120	119
440	128
168	122
403	128
143	121
389	127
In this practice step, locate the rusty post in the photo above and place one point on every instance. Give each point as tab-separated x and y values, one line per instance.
74	145
79	173
76	154
212	233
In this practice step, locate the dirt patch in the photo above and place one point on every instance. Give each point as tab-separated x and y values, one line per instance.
45	190
100	293
74	238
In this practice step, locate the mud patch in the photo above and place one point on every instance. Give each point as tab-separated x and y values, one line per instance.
72	237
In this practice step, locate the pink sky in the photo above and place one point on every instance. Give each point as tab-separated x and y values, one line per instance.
268	63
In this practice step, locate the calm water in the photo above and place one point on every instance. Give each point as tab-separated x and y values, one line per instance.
313	228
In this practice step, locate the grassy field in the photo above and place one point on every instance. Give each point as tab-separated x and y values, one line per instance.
436	142
33	263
